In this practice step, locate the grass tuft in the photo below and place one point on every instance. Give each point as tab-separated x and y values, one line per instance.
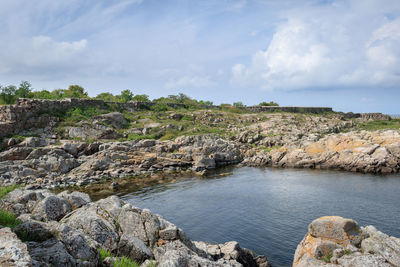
125	262
7	189
8	219
327	258
104	253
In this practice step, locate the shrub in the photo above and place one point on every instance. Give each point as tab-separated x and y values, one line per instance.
270	103
159	107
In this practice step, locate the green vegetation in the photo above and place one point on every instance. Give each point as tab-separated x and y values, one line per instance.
327	258
238	105
375	125
125	262
8	219
347	252
8	95
125	96
142	137
159	107
121	261
271	103
269	149
104	253
7	189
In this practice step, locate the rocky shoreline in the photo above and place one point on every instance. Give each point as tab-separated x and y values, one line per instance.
42	163
64	151
68	229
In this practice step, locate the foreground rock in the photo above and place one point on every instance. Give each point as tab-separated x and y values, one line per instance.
68	230
335	241
12	251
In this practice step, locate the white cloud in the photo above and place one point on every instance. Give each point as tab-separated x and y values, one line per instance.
189	81
334	46
41	53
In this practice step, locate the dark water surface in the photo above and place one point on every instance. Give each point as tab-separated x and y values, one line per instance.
268	210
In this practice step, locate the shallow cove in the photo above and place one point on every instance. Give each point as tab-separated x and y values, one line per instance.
268	210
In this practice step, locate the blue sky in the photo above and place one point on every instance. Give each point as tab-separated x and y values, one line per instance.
343	54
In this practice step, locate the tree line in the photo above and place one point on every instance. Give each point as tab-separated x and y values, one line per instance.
9	94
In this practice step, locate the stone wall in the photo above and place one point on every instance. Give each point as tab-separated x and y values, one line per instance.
14	118
375	116
289	109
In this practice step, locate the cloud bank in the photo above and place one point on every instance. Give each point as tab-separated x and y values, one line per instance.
343	45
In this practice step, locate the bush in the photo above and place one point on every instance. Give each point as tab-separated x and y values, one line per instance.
238	105
270	103
141	98
159	107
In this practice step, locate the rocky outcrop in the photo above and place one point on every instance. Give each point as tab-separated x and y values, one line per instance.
72	162
335	241
369	152
55	235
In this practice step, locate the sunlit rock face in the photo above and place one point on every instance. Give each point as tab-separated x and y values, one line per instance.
336	241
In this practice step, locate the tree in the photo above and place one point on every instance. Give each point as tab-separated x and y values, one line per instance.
75	91
108	97
126	95
141	98
7	94
44	94
238	104
24	90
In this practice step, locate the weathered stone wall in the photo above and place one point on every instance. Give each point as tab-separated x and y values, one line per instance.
13	118
375	116
289	109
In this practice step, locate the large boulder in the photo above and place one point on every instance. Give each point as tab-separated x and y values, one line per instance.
134	248
336	229
12	251
381	244
336	241
77	243
204	163
114	119
95	222
51	208
75	199
52	252
15	153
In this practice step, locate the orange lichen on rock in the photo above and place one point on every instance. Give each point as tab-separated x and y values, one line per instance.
315	148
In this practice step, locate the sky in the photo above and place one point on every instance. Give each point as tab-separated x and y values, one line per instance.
343	54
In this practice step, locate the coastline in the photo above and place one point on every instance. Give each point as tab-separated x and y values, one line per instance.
112	150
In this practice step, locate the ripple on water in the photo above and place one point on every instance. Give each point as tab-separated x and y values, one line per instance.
268	210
